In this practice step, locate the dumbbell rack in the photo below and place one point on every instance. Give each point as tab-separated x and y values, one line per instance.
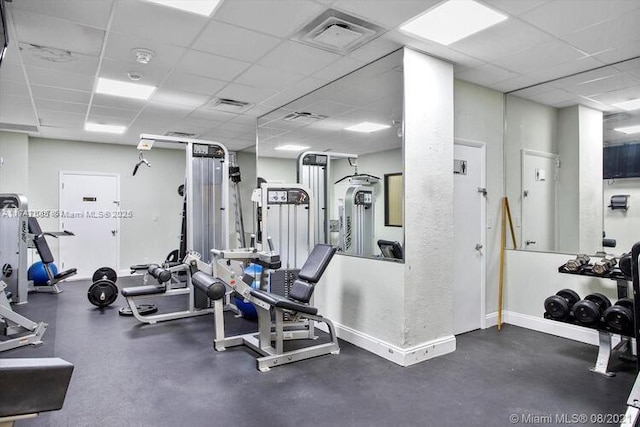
606	351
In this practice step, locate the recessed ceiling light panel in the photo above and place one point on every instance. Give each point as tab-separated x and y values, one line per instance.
292	147
199	7
452	21
633	104
367	127
125	89
629	129
97	127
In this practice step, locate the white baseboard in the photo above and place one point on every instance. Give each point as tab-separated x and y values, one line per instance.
559	329
401	356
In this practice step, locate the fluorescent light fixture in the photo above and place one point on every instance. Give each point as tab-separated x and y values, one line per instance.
633	104
125	89
200	7
96	127
452	21
367	127
292	147
629	129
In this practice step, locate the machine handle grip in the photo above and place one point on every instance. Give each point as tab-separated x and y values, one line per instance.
253	241
270	243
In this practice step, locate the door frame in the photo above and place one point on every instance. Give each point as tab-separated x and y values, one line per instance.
483	221
528	152
62	174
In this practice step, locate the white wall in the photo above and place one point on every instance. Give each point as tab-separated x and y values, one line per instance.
568	230
590	190
151	195
14	151
479	117
274	169
624	226
247	163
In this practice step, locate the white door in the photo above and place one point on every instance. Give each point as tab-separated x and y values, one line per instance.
539	180
89	208
469	236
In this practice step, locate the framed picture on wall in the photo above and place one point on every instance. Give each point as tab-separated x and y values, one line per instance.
393	203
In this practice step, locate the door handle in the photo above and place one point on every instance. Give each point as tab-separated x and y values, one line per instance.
530	242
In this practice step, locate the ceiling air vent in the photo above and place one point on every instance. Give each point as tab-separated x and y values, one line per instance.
229	105
337	32
178	134
18	128
303	117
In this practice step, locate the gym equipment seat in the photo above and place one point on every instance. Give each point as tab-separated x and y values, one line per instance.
41	245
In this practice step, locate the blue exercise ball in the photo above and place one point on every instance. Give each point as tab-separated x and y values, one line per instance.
247	310
38	274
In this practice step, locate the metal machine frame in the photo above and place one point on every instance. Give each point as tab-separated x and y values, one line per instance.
14	230
357	218
26	331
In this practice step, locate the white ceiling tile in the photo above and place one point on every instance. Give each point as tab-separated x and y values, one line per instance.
563	69
16	109
540	57
294	91
244	93
604	36
8	87
340	68
198	123
515	7
615	97
620	52
12	55
61	79
108	120
299	57
64	107
162	24
328	108
80	63
388	13
60	119
485	75
211	116
12	72
52	32
162	112
568	16
57	94
613	83
148	125
632	67
506	38
119	47
118	102
514	83
189	126
375	49
257	111
553	97
234	42
126	115
211	66
194	84
94	13
284	16
176	97
117	70
268	78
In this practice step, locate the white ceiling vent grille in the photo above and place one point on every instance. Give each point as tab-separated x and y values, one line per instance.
303	117
18	128
229	105
338	32
178	134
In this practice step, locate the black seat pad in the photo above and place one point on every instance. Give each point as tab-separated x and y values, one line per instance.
65	274
283	302
136	291
316	263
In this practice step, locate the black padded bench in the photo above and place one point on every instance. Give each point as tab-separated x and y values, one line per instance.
303	287
41	245
30	386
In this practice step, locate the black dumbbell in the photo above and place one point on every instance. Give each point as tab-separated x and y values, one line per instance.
619	317
625	264
589	310
577	263
604	266
559	305
103	291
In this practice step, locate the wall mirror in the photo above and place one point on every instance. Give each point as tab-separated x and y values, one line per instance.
572	159
340	141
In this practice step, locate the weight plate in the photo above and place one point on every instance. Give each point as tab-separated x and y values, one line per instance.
625	302
557	307
602	301
571	296
619	318
587	312
102	293
105	273
143	309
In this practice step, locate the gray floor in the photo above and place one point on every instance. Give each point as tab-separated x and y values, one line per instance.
129	374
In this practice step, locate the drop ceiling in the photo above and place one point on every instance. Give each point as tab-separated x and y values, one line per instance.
248	51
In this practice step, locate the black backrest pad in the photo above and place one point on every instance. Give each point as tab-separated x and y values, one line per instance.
34	225
316	263
301	291
43	249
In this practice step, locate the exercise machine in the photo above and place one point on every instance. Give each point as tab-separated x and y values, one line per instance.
357	215
270	338
42	247
31	386
15	329
13	245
